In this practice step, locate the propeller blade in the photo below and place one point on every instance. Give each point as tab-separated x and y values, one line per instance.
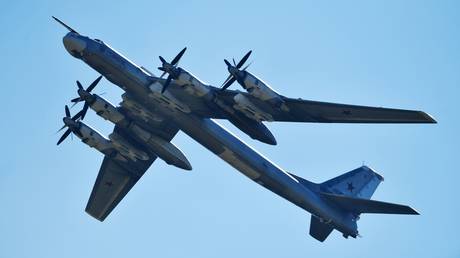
67	111
164	71
84	110
232	80
73	105
76	100
76	116
177	58
168	81
234	63
227	62
243	60
246	67
162	60
226	80
80	87
91	87
65	25
64	136
61	128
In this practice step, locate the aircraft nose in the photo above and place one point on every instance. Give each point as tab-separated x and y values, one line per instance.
74	44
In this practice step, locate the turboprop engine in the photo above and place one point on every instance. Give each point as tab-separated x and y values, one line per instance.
102	107
94	139
189	82
253	85
165	150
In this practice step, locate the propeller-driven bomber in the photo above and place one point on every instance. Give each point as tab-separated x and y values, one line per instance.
154	109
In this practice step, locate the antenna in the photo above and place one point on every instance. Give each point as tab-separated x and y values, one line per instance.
65	25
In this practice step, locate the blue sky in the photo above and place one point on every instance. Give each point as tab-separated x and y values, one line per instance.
401	54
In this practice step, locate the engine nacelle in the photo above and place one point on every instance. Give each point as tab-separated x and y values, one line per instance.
127	149
259	89
93	138
123	149
245	106
106	110
192	84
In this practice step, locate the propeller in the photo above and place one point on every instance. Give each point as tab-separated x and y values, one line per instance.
65	25
71	123
85	95
234	70
170	68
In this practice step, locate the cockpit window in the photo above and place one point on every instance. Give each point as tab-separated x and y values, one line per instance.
98	40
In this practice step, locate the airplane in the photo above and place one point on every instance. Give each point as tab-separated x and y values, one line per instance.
154	109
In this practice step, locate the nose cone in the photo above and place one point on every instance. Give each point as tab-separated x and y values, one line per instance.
74	44
84	95
232	70
68	122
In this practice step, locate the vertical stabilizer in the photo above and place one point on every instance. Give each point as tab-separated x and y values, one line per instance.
361	183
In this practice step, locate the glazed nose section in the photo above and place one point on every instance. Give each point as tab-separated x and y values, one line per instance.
74	44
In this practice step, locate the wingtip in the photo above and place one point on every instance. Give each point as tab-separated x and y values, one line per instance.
98	218
428	118
414	211
409	210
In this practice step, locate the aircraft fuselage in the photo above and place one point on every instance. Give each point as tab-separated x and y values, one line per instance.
145	89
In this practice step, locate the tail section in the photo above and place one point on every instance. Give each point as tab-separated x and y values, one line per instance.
361	182
351	193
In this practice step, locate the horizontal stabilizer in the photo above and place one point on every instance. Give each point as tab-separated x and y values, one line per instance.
358	205
319	230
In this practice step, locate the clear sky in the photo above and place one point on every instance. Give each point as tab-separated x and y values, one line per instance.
402	54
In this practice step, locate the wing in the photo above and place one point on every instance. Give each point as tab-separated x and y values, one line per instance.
115	179
299	110
324	112
112	184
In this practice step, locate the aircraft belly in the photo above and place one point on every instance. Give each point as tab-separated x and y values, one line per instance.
259	169
246	160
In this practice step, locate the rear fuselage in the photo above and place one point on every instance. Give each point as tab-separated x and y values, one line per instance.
146	89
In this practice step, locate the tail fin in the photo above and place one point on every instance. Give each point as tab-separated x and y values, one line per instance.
360	183
351	192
